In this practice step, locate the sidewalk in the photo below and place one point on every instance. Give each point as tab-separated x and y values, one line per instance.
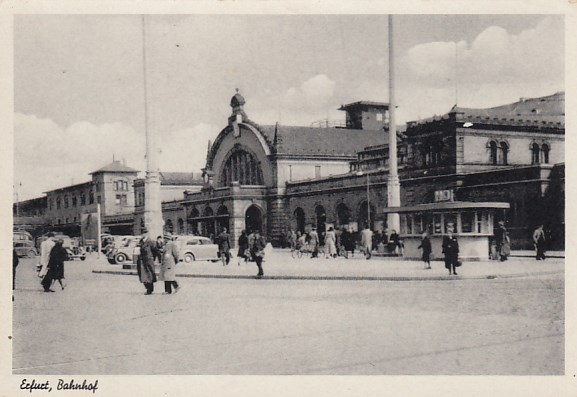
280	265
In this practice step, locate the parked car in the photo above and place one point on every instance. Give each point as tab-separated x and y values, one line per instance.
76	252
23	244
123	251
196	248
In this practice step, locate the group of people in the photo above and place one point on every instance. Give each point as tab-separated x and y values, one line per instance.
166	252
52	258
343	241
450	250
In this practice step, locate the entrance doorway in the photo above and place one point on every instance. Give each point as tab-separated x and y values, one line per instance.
253	219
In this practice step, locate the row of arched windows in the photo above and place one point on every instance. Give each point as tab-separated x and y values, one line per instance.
540	154
498	152
66	202
366	214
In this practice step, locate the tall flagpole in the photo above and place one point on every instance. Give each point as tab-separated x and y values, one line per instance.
152	205
393	184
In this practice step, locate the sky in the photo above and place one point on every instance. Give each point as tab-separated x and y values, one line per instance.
79	79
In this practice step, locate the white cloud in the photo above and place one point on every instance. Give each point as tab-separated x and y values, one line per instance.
301	105
185	150
47	156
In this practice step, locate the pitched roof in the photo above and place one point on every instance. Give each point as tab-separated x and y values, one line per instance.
544	111
315	141
180	178
115	166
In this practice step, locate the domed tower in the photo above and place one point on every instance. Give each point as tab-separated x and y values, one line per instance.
238	115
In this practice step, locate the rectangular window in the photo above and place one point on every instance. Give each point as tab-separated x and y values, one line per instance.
437	224
317	171
118	197
450	220
98	200
379	117
468	221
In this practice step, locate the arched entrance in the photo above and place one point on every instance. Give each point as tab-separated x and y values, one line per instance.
193	221
222	218
299	220
208	223
321	222
366	216
343	215
253	219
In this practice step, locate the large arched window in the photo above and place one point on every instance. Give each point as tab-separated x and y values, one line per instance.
242	167
168	226
299	219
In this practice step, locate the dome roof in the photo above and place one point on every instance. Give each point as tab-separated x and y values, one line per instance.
237	100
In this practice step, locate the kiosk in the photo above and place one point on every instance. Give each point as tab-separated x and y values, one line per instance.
472	223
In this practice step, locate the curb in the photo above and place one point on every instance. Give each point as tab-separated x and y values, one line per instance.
345	278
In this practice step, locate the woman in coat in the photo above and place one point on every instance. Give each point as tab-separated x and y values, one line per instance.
168	265
55	268
145	263
426	247
451	251
331	243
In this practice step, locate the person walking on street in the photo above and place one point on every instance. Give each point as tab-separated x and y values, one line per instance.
331	243
451	251
314	242
159	246
168	265
145	263
257	251
539	241
243	251
55	267
367	241
223	240
503	241
15	262
45	248
426	247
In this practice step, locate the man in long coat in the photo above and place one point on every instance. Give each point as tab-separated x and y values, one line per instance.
451	251
145	263
223	240
168	264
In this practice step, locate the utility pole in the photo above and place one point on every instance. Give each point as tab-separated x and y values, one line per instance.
393	184
152	205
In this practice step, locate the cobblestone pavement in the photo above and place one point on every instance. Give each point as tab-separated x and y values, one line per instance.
103	324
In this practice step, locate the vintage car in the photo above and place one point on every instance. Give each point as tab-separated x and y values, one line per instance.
23	244
196	248
118	254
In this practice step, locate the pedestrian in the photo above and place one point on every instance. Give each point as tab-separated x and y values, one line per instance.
539	241
45	248
223	241
15	262
158	247
331	243
314	243
55	267
145	263
367	241
257	251
451	251
394	242
426	247
503	242
168	265
243	251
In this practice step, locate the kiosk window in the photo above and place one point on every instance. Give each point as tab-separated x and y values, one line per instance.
450	220
468	222
438	224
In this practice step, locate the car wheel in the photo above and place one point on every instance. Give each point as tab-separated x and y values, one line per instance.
82	258
120	258
188	257
31	254
111	261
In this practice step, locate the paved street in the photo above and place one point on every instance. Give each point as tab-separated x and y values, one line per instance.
103	324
